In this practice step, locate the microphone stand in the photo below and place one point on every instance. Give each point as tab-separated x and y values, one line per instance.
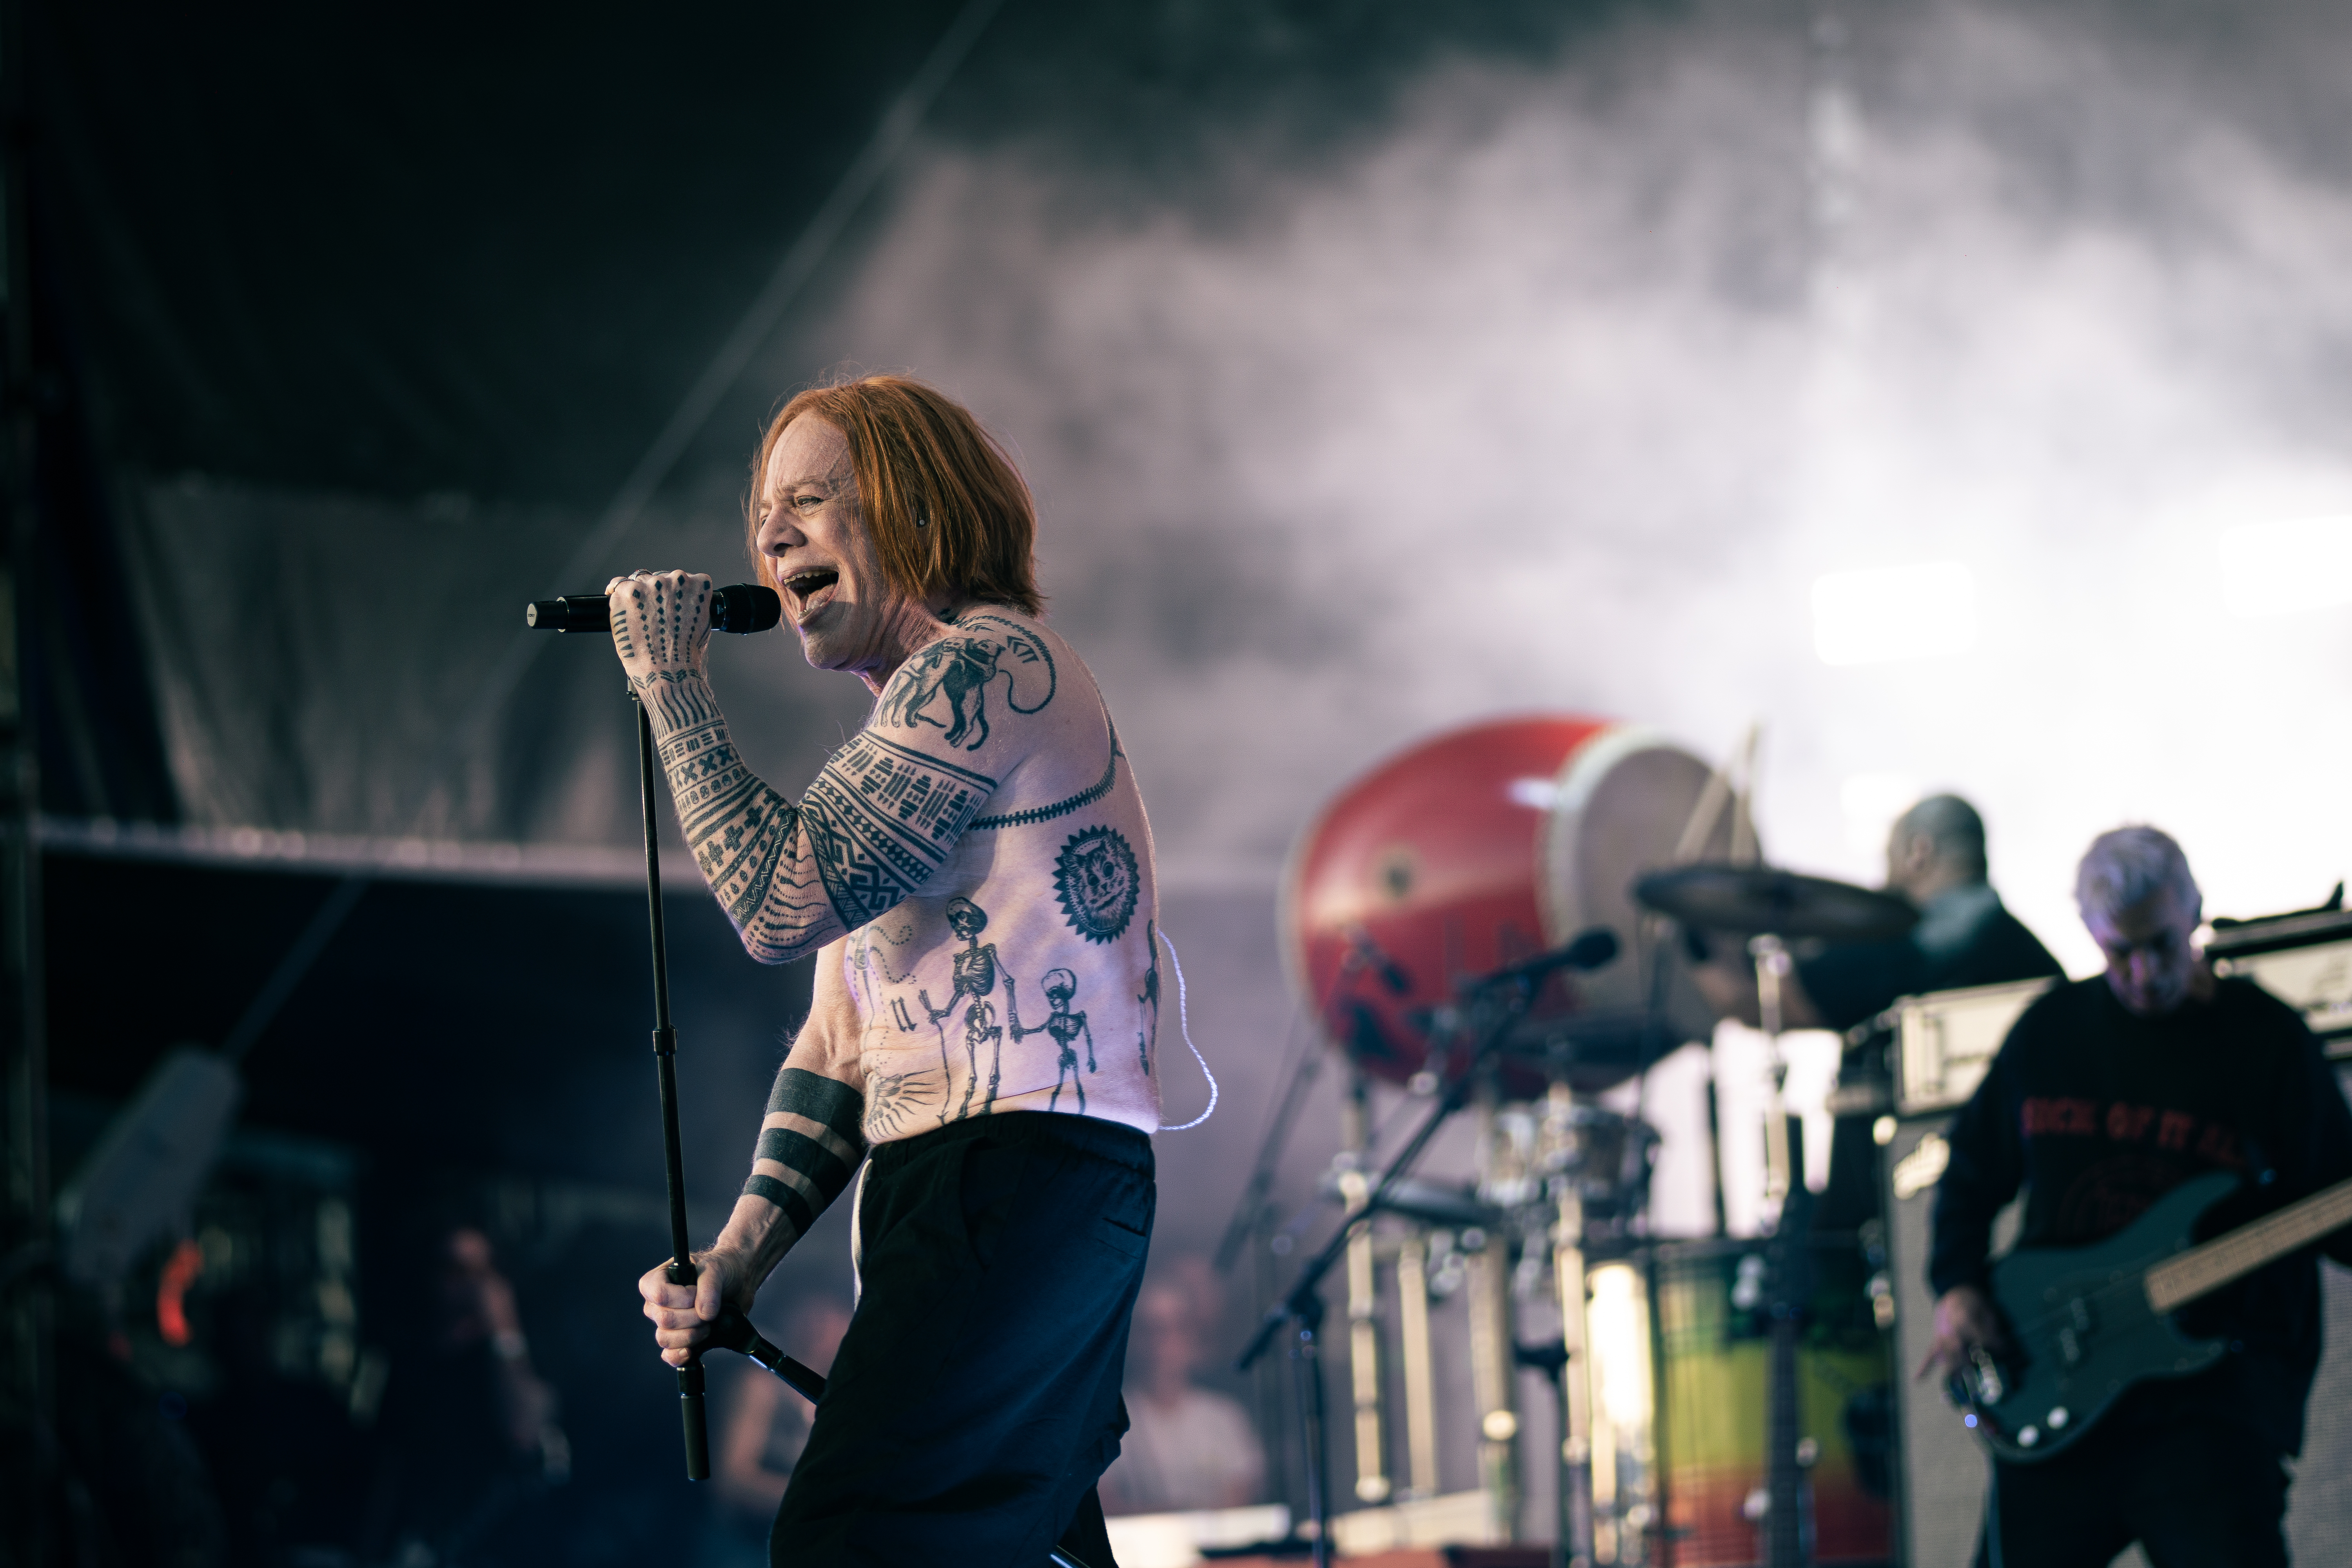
1494	1005
681	1269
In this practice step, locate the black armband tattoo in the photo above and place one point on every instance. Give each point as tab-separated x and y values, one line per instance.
809	1145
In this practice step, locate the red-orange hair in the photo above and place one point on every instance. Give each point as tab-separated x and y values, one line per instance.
947	508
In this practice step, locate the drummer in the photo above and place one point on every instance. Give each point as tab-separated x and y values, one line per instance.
1935	859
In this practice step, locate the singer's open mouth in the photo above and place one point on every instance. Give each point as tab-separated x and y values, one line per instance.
810	589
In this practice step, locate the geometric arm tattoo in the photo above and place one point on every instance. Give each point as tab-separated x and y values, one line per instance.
878	823
809	1145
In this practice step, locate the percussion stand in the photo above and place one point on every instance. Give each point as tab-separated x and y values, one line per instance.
1572	1373
1772	967
1785	1193
1492	1011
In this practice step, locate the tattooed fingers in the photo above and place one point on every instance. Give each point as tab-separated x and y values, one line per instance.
661	624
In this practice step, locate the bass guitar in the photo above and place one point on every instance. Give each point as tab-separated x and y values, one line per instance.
2087	1323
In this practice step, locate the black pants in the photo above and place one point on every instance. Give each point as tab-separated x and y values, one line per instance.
2195	1493
974	1401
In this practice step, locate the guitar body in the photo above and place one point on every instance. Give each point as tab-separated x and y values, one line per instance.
2081	1330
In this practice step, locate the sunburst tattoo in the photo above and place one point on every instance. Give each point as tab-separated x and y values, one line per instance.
891	1098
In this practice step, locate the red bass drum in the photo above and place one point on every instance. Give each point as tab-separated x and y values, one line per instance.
1484	846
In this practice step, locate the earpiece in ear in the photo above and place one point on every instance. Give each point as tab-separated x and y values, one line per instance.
922	522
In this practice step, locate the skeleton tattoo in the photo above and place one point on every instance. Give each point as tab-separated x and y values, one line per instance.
1066	1026
975	977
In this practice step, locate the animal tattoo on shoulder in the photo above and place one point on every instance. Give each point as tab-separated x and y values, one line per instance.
947	684
1067	1028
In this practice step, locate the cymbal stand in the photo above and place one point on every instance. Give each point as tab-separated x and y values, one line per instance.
1786	1195
1772	966
1572	1378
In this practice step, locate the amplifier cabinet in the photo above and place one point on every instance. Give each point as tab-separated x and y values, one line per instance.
2304	959
1945	1041
1941	1472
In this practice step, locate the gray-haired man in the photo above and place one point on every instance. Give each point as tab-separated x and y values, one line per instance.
2108	1093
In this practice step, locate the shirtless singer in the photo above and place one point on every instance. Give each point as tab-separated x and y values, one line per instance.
973	874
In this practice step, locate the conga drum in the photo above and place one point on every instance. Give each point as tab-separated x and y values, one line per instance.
1482	847
1714	1385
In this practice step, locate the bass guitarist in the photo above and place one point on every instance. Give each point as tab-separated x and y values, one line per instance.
2107	1093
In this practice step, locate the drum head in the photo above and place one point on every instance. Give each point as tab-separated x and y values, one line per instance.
1422	873
1623	803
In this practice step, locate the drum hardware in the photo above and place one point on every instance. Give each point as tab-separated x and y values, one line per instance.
1552	1358
1429	1204
1491	1368
1774	906
1574	1380
1375	941
1487	1017
1414	1349
1787	1209
1373	1483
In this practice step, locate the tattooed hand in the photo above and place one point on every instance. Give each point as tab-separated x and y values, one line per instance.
661	624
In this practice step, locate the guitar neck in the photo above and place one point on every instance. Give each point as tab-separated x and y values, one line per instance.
2184	1276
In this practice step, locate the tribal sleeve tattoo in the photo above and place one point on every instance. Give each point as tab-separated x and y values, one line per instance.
810	1144
879	822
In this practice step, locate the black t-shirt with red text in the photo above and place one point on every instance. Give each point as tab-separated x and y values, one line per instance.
2096	1112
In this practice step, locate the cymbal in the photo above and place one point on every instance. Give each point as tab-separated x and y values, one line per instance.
1757	898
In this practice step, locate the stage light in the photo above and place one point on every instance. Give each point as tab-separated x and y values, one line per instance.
1887	613
2279	568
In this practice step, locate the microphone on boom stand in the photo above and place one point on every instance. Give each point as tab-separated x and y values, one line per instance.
1591	950
743	608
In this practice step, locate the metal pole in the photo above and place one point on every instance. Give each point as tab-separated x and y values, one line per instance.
681	1265
1308	1366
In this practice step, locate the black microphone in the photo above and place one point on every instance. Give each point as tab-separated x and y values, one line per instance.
745	607
1588	951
